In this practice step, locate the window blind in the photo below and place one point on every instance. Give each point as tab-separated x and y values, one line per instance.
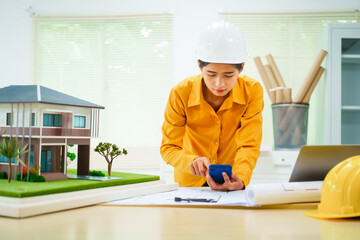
124	63
294	40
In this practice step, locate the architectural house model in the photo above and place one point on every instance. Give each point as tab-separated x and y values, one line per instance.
48	121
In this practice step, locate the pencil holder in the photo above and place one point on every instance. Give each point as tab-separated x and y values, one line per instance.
290	123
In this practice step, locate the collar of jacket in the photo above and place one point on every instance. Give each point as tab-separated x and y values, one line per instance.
196	95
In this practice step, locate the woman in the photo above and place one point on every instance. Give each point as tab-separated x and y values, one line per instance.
215	117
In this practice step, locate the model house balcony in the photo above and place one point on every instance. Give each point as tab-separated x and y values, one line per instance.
46	131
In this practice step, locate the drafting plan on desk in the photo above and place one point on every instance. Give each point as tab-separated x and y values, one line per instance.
254	195
168	198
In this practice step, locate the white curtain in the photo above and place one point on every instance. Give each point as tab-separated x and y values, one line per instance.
124	63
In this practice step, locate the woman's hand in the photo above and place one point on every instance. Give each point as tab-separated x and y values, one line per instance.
234	184
200	166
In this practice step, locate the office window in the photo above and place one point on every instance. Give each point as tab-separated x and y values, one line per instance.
124	63
52	120
294	40
79	121
9	119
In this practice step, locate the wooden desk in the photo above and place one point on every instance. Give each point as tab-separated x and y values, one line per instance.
122	222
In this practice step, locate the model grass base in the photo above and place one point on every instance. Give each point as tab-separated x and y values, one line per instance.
32	206
18	189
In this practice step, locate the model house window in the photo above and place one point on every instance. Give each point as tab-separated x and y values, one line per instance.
4	159
46	163
9	121
31	158
79	121
52	120
33	119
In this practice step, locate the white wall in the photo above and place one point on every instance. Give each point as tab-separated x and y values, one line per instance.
189	17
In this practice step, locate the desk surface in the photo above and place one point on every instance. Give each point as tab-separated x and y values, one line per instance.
131	222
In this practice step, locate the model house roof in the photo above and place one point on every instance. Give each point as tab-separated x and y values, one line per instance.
40	94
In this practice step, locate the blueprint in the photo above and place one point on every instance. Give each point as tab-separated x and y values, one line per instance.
254	195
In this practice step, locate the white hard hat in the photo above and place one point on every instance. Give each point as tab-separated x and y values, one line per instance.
222	42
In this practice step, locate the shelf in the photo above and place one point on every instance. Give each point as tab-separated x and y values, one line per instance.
350	108
350	55
350	128
350	58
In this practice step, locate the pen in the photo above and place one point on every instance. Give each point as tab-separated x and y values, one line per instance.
179	199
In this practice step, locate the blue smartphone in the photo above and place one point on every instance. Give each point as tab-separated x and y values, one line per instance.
216	170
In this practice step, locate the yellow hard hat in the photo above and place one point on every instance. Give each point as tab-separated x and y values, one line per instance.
340	193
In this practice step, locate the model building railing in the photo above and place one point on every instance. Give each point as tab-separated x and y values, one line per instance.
47	131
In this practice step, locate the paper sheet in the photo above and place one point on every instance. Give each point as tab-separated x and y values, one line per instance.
168	198
254	195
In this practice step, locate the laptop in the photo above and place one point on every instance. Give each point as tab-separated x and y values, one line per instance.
315	161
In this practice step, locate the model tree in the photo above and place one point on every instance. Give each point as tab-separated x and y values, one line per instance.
11	148
70	156
109	151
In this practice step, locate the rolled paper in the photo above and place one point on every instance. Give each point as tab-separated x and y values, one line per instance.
278	193
288	124
279	95
272	95
310	76
297	138
289	116
270	76
292	123
276	71
313	85
287	95
263	76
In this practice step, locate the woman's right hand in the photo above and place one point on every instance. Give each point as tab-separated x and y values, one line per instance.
200	166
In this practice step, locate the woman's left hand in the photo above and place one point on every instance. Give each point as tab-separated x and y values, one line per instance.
229	185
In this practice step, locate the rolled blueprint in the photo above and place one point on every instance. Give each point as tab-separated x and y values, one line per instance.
263	76
310	76
280	193
276	71
313	85
270	76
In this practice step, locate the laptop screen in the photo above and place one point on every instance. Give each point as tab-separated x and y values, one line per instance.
314	162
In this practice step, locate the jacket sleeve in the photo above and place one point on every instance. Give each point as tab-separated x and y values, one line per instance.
173	130
249	135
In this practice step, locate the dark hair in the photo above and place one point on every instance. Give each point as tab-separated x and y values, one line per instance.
239	66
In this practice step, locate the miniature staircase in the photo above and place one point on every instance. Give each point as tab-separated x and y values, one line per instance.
53	176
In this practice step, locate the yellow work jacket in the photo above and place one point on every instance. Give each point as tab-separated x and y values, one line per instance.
192	129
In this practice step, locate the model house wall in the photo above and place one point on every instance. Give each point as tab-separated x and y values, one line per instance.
39	110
